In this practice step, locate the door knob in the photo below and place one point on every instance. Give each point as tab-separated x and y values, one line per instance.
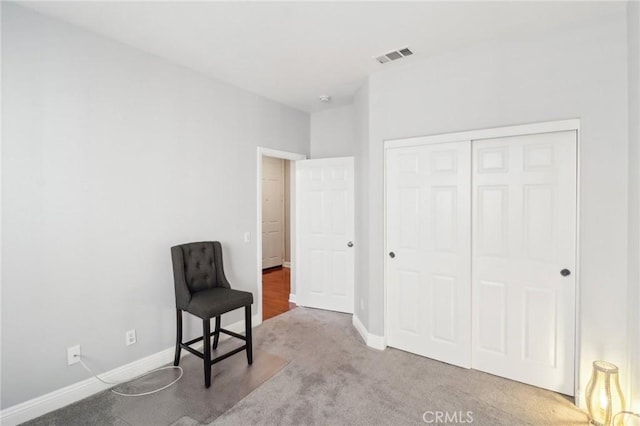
392	254
350	244
565	272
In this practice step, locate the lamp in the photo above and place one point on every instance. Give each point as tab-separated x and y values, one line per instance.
604	397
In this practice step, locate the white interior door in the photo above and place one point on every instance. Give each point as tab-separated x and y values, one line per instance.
524	235
428	277
325	215
272	212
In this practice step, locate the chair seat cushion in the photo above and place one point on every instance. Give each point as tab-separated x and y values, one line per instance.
216	301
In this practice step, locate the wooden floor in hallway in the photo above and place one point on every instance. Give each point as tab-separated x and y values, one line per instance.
276	286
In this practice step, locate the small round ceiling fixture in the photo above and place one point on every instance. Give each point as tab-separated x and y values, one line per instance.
325	98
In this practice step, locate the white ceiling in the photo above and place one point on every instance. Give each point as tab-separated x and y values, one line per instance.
292	52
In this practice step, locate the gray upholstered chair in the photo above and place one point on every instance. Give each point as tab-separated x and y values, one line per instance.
203	290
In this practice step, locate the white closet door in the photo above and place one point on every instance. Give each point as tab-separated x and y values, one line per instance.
272	212
325	226
428	242
524	235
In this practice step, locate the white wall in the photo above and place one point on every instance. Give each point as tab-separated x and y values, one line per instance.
333	132
361	172
576	73
633	36
109	157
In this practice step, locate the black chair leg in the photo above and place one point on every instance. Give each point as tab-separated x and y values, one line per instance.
216	336
206	345
176	359
247	325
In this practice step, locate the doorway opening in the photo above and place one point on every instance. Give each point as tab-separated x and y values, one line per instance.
276	236
276	232
276	288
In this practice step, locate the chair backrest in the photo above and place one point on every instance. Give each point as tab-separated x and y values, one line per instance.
197	267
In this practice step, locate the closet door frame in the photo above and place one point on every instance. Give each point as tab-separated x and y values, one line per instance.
480	134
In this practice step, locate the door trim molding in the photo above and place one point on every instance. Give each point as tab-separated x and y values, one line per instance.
572	124
498	132
285	155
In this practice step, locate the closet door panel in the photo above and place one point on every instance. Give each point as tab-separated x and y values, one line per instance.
524	234
428	251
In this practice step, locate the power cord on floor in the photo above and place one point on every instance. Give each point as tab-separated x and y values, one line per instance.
135	378
630	413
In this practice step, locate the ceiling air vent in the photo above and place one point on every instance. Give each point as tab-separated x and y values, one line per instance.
392	56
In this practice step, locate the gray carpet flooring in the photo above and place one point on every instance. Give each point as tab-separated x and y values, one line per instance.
334	379
231	380
331	378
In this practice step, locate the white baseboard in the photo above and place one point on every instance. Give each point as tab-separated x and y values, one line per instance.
376	342
69	394
292	298
286	264
372	340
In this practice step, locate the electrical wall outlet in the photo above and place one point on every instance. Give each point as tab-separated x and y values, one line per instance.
131	337
73	355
